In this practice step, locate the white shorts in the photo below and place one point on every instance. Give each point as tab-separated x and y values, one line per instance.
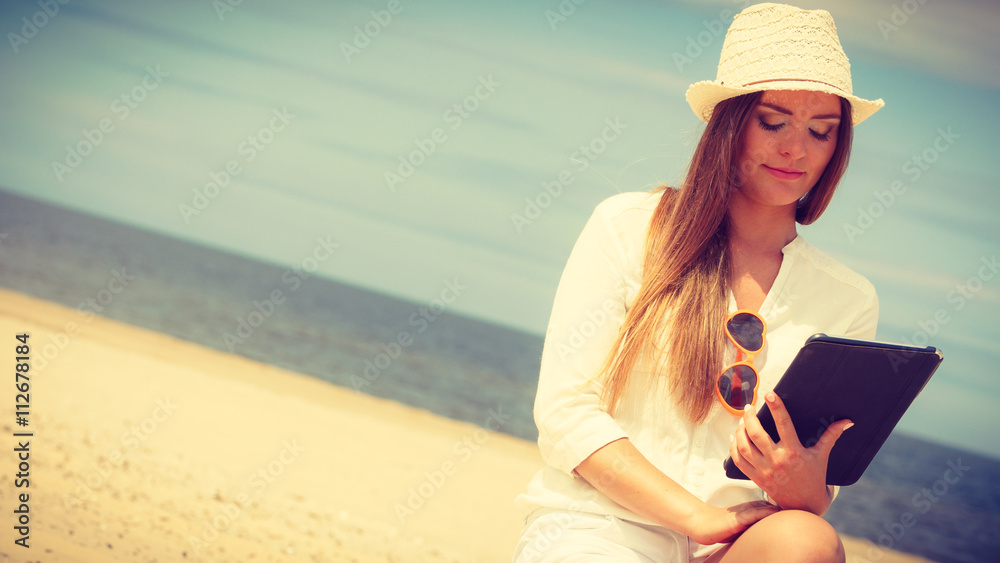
562	536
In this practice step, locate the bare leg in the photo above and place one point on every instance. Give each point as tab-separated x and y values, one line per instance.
788	536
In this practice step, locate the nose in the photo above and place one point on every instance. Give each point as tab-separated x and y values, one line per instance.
793	144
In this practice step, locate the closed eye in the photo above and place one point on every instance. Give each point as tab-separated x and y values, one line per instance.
767	126
821	137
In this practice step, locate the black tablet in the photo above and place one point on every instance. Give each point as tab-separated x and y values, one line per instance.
832	378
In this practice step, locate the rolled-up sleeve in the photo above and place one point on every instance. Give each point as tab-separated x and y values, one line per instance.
588	310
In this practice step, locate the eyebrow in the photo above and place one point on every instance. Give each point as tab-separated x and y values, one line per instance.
780	109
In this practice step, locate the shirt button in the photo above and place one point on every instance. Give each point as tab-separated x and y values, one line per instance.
699	443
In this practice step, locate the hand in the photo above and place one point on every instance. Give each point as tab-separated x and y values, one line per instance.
712	524
794	477
624	475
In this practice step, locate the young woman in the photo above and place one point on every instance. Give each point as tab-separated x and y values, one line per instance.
679	310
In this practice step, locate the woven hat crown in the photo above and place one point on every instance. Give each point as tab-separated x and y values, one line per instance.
780	47
766	44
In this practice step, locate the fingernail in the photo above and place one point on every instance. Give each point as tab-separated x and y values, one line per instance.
747	407
770	397
849	425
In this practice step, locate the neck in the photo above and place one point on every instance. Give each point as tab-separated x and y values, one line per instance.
760	228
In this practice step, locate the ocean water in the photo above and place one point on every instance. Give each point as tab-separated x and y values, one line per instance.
919	497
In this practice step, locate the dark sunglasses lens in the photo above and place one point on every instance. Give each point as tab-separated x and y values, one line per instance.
736	385
748	330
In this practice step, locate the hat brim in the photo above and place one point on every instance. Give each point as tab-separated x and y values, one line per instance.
704	95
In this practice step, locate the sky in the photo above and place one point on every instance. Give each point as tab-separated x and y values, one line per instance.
470	141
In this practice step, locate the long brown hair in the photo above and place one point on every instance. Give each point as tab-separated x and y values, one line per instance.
686	266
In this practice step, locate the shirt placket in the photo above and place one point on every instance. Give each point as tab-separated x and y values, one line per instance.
698	442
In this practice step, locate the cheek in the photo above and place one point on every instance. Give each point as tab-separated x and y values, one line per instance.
754	154
824	155
758	146
746	165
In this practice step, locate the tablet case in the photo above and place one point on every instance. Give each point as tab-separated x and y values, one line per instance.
833	378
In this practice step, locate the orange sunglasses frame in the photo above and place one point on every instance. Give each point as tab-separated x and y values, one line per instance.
740	351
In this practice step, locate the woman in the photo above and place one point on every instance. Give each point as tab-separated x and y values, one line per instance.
636	407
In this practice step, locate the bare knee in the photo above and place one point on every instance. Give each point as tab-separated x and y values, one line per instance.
805	537
788	536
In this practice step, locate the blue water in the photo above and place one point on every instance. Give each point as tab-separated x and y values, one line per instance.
454	366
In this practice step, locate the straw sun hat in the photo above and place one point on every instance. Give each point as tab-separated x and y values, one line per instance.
780	47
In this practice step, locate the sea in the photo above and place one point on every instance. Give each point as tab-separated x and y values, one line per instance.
919	497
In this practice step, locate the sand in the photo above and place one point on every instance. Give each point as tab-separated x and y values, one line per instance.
148	448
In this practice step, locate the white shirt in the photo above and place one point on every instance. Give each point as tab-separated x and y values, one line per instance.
812	293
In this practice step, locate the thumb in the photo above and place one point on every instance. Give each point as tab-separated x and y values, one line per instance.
750	512
832	434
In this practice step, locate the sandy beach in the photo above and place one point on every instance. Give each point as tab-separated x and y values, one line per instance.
148	448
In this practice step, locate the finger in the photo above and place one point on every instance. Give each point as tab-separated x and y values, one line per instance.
755	431
831	435
782	421
757	505
744	452
750	512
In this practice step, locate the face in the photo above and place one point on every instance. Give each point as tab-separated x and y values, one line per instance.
788	142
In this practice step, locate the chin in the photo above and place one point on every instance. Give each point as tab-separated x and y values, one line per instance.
775	195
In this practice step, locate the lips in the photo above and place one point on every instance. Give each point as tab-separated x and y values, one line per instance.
784	173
